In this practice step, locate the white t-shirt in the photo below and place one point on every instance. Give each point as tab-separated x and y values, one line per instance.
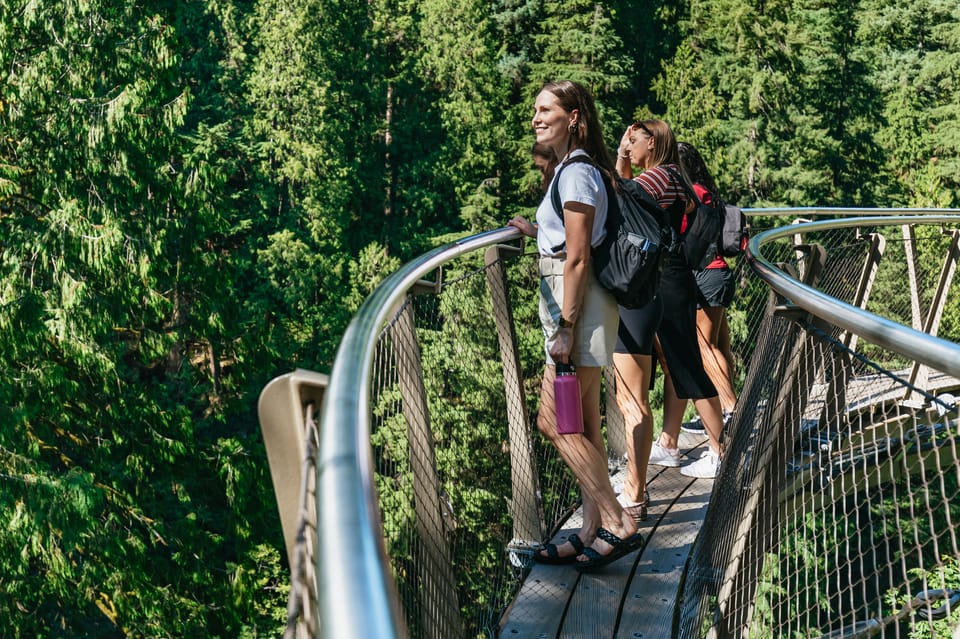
579	182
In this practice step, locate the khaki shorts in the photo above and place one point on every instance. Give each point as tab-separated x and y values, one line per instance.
595	333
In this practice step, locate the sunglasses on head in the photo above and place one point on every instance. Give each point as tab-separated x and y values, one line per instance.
642	126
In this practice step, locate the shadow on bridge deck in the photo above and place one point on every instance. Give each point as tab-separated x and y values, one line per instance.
633	597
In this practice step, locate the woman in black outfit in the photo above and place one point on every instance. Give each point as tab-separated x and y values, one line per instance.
670	320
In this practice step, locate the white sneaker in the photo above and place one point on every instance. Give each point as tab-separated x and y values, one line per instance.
706	467
663	456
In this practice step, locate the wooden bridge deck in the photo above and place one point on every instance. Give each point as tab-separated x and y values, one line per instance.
633	597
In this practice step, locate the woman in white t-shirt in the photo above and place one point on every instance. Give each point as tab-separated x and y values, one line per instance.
579	317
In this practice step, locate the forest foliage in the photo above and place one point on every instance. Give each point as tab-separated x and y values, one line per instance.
195	197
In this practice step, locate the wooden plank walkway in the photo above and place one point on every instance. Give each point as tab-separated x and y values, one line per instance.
633	597
867	392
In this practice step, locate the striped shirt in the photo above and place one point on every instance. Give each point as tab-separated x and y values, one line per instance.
665	189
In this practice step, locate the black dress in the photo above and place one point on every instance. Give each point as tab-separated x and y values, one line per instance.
678	331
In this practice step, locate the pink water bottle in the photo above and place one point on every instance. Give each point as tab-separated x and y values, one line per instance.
566	396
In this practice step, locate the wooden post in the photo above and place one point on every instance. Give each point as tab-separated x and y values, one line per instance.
877	244
525	504
440	609
287	411
910	257
800	248
835	400
920	373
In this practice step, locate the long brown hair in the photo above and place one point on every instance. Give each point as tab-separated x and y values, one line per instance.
664	142
587	134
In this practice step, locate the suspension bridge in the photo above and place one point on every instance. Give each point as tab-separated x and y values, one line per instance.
413	490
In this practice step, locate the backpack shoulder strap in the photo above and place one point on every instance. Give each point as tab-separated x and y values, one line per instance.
686	187
555	188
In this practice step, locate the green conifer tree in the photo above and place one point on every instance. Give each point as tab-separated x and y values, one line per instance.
576	41
120	161
914	47
777	94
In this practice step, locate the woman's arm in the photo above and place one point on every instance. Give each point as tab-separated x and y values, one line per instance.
624	167
578	225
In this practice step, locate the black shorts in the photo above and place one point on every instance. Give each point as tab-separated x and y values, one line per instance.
638	327
715	287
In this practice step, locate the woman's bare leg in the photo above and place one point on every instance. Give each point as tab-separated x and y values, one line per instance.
712	416
710	320
723	343
633	397
673	409
583	454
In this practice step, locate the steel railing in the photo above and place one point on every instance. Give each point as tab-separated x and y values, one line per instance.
352	564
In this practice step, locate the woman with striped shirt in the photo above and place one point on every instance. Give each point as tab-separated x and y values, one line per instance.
670	320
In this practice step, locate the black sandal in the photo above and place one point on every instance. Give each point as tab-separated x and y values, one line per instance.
553	556
621	548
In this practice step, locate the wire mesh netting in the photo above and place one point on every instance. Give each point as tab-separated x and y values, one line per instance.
834	512
479	483
840	481
302	619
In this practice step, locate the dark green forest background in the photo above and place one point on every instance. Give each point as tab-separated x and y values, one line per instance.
196	196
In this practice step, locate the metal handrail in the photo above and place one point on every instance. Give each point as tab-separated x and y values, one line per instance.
353	568
350	540
841	210
929	350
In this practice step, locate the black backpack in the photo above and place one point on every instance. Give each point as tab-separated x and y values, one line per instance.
627	262
699	243
735	233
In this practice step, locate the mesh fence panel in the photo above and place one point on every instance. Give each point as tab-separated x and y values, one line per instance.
472	522
834	511
302	618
